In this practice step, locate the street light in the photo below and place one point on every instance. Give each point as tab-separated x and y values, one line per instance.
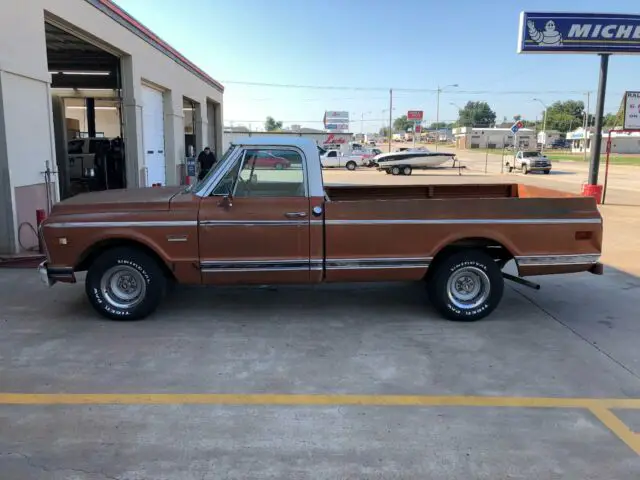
390	126
456	105
438	110
544	124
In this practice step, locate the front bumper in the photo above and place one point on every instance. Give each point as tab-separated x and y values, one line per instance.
50	275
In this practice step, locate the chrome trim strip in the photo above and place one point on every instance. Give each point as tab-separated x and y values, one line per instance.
376	267
438	221
254	223
376	263
547	260
169	223
265	269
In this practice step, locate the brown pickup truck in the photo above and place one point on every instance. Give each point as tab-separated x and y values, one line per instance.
256	222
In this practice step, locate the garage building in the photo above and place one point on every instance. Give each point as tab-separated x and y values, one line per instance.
90	99
468	137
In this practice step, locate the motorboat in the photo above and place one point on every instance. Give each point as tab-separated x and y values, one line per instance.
405	161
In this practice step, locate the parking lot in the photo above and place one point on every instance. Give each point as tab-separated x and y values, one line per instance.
348	381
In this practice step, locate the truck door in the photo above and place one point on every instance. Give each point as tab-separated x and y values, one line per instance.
332	159
254	226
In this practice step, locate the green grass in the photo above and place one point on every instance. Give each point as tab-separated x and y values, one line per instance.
614	158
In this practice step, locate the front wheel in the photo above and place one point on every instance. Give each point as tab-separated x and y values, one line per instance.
351	166
525	169
466	286
279	166
395	171
547	172
125	284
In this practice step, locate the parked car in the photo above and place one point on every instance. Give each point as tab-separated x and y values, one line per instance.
560	143
266	159
529	161
285	226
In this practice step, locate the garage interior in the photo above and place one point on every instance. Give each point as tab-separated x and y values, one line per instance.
87	113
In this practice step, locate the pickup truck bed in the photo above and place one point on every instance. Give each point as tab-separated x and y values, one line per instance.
244	225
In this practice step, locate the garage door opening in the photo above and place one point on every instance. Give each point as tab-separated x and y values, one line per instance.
87	113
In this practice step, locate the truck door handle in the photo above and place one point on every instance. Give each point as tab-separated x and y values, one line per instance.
295	214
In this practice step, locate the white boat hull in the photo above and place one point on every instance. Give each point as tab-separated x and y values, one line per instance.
416	161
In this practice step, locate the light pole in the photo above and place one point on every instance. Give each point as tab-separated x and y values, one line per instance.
438	110
390	110
544	123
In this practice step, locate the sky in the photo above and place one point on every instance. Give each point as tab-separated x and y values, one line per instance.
360	49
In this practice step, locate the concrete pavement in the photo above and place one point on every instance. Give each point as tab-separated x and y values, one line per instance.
434	399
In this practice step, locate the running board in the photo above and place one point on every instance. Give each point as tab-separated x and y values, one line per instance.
521	281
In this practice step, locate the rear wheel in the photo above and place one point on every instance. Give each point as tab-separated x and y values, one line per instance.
406	170
395	171
125	284
466	286
351	165
279	166
547	172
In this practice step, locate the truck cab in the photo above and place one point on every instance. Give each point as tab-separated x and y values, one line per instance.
529	161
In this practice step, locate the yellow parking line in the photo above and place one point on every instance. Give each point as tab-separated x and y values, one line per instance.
616	425
293	399
600	407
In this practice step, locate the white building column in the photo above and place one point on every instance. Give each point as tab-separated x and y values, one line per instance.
173	136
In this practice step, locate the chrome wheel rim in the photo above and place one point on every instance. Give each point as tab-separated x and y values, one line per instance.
123	286
468	287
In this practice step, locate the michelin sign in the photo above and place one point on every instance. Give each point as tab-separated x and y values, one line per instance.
578	33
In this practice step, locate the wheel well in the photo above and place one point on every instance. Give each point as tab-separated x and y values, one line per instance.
95	250
493	248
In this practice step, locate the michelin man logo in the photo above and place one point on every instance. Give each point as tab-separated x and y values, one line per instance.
547	37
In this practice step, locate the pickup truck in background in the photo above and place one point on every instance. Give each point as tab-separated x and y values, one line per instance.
247	225
338	159
529	161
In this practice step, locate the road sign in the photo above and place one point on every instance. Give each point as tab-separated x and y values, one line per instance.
631	111
415	115
517	126
578	33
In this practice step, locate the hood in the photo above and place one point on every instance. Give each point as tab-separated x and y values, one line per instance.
152	198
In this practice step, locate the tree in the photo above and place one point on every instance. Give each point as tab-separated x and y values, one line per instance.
402	124
476	114
565	116
384	131
270	125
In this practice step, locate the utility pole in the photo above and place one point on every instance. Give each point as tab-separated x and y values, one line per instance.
597	140
438	111
586	126
390	115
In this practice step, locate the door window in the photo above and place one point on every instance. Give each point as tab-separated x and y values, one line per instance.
264	173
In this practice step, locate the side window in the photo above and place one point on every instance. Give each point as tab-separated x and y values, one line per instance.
332	154
225	185
271	173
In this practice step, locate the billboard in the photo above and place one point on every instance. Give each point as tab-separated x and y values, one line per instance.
336	120
542	32
415	115
336	115
631	111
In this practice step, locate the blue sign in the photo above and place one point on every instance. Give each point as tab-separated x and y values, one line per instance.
578	33
517	126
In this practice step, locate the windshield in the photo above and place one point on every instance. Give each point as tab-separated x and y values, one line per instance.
213	170
530	154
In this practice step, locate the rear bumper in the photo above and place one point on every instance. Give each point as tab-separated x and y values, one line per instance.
50	275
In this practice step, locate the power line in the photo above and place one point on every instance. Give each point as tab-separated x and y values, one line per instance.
416	90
